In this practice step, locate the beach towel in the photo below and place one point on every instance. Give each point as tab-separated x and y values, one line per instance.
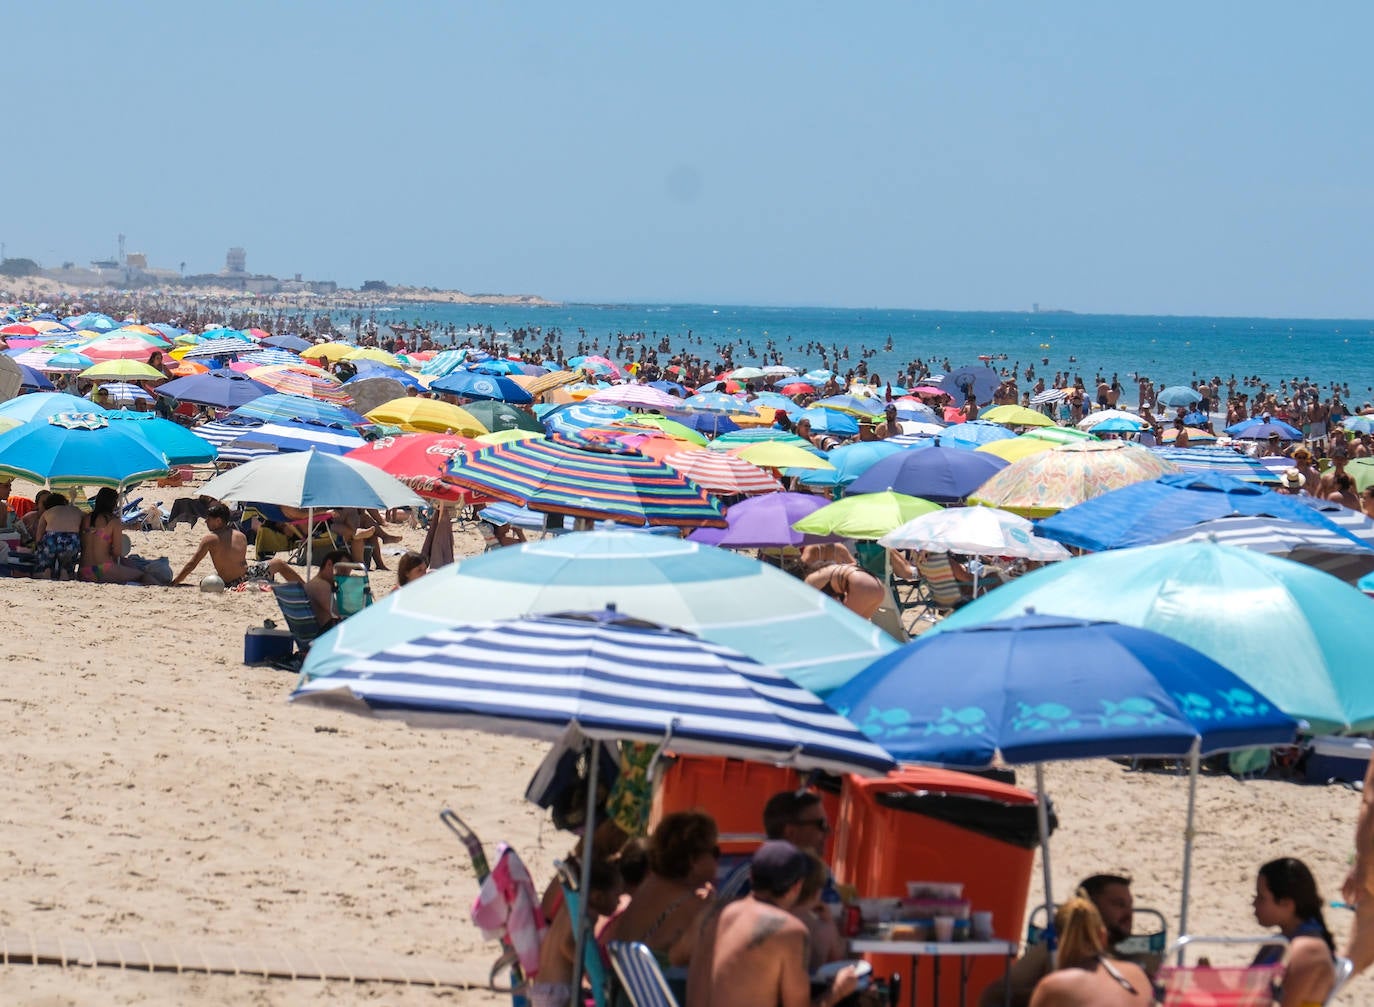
508	905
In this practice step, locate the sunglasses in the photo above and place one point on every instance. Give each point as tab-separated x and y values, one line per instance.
819	823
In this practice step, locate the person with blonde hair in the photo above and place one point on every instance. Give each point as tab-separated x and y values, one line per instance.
1084	975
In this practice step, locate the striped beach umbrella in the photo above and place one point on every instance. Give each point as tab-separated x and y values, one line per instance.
1324	548
224	347
267	357
612	676
636	397
721	472
276	406
118	348
290	436
294	382
557	477
121	393
569	420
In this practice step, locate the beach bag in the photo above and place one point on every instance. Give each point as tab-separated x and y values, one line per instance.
159	569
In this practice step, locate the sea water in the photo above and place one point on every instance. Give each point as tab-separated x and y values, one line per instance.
1167	349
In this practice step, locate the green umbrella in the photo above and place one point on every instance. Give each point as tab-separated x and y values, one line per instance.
496	415
671	427
1362	471
865	516
1060	435
736	438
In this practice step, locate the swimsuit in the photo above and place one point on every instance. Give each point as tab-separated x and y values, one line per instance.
58	551
253	571
846	570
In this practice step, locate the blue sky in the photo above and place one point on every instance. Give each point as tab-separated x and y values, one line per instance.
1178	158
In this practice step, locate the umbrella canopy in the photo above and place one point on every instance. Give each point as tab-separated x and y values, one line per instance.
79	449
1016	416
946	475
67	362
1224	461
716	402
179	445
1152	510
830	421
287	341
1287	432
417	414
122	370
850	461
284	378
669	427
723	473
1070	474
764	522
1178	395
33	379
860	406
506	436
41	405
637	397
1016	448
1106	415
1122	425
1324	548
558	477
1195	435
418	460
227	346
292	435
974	434
328	351
277	406
118	348
1282	627
721	596
739	438
975	380
974	531
373	354
868	516
498	416
1264	431
1363	424
309	479
473	385
1060	435
612	676
776	454
225	389
568	420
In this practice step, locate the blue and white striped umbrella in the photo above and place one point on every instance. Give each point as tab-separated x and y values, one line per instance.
572	419
122	393
281	406
288	436
1225	461
267	357
227	346
610	677
1324	548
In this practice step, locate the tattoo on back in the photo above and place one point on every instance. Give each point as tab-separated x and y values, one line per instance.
765	927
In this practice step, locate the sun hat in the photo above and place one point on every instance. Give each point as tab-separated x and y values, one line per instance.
1294	479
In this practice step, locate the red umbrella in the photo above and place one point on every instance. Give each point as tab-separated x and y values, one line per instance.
18	329
419	461
796	388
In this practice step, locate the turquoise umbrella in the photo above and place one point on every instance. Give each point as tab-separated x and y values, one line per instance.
41	405
79	449
180	445
721	596
1282	627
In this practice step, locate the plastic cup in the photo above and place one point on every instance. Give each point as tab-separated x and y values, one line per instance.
982	925
944	929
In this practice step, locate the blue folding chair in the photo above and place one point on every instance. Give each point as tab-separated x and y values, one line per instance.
639	975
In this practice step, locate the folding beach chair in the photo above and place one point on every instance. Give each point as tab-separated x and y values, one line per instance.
639	975
300	617
592	965
352	591
1180	985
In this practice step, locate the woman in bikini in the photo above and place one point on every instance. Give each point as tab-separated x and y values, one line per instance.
102	545
1286	897
1086	976
832	570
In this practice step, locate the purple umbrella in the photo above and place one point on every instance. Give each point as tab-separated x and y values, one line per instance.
765	522
944	475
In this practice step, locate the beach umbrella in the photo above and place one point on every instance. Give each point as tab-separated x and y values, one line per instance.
664	425
636	397
416	414
774	401
1016	448
33	380
1362	471
1148	511
569	420
277	406
913	431
559	477
593	677
225	346
830	421
597	365
472	385
179	445
93	320
287	341
748	373
262	357
1327	549
717	402
1263	431
975	380
224	389
1359	424
311	480
974	433
740	438
975	531
368	370
1286	432
293	381
122	370
791	386
79	449
1281	626
120	393
41	405
914	409
418	460
373	354
866	516
1016	416
293	435
1107	415
765	522
945	475
723	473
849	461
499	416
724	597
1178	395
1195	436
776	454
862	407
677	389
710	424
1222	461
1015	697
331	352
507	436
1070	474
1060	435
1123	425
18	329
118	348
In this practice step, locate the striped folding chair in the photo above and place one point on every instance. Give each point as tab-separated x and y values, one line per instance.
639	975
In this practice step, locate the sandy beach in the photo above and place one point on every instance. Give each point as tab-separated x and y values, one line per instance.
162	790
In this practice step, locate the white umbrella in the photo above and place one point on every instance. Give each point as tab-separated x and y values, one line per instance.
308	479
1093	419
636	396
974	531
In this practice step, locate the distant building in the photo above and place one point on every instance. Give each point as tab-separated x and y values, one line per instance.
236	261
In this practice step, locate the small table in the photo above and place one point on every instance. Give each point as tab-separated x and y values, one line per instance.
917	950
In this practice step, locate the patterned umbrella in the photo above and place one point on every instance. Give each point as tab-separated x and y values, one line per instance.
637	397
286	379
560	478
717	402
1070	474
721	472
739	438
419	460
569	420
227	346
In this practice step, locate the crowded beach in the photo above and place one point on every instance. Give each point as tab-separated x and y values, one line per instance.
174	798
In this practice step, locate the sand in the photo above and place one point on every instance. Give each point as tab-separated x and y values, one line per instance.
160	789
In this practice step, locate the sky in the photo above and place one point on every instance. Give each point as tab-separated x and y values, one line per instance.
1170	158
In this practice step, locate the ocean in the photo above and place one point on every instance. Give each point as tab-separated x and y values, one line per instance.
1168	349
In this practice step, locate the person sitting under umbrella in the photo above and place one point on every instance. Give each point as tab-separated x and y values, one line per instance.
1286	897
102	545
227	548
1086	976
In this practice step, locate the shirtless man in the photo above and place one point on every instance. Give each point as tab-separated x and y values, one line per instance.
58	539
227	548
753	952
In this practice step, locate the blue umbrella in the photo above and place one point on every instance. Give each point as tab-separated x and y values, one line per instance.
830	421
1235	429
41	405
1178	395
33	379
180	445
1119	425
1336	552
711	424
268	357
571	419
224	389
447	361
1015	695
369	369
475	385
671	387
1359	424
775	400
850	461
944	475
853	404
1147	512
1223	461
292	435
279	406
224	346
1273	428
718	402
973	434
976	380
287	341
79	449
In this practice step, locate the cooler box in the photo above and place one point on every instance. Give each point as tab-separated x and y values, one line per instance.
263	646
938	825
733	792
1333	758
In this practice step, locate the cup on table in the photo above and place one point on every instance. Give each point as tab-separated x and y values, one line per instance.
944	929
982	925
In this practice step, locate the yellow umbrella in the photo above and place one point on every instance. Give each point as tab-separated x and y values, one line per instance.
122	370
417	414
536	385
1013	449
328	351
372	353
506	436
780	455
1016	416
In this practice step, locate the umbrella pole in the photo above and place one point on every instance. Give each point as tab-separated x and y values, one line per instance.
1042	817
309	539
1188	833
583	921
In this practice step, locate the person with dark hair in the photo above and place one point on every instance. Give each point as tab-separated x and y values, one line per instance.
552	986
58	539
1286	897
411	566
754	950
227	548
102	545
1084	974
663	913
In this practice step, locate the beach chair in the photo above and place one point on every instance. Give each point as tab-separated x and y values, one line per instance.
352	592
592	966
1145	947
639	975
940	591
1180	985
300	617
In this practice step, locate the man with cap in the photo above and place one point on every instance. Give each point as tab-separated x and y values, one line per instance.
753	952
